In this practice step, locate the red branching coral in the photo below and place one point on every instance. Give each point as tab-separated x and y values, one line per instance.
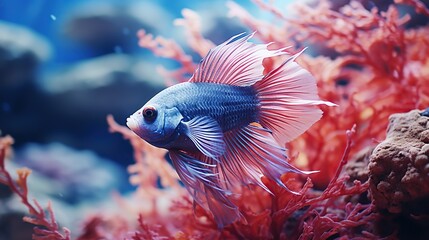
168	49
371	61
146	232
192	24
47	227
104	226
266	215
319	206
150	163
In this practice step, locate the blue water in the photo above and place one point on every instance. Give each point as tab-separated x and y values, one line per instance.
34	114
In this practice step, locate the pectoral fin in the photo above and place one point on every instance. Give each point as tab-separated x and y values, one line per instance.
206	134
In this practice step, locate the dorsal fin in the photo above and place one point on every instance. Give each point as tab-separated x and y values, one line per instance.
234	62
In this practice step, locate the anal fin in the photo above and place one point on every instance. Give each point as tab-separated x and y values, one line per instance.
252	152
203	184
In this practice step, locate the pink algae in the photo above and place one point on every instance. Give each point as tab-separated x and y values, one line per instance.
365	59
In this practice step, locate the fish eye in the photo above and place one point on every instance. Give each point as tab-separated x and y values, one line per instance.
150	113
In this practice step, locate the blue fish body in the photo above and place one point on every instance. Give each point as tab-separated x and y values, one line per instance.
230	106
227	126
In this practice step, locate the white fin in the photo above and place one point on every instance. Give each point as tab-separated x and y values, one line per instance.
288	96
204	187
252	152
234	62
206	134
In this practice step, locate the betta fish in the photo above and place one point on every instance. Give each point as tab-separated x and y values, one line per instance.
228	125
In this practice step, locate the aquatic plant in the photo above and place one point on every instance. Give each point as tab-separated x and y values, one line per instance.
46	225
368	59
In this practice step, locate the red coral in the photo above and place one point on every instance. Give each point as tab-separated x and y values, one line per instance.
266	215
150	162
192	24
371	63
146	232
92	229
47	227
334	222
103	226
168	49
378	47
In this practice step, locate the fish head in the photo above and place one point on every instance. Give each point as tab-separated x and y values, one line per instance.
156	123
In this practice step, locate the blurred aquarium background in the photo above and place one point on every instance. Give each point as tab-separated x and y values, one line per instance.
66	65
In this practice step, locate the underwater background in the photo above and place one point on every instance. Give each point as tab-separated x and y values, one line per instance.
71	72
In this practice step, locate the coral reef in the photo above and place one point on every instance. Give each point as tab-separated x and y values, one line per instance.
266	215
365	61
361	52
46	225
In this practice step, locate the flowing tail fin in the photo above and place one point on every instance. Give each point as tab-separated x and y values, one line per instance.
288	96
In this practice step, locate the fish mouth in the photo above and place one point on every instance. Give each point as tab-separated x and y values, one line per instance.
132	124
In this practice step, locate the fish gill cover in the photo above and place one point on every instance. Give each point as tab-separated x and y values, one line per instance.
370	59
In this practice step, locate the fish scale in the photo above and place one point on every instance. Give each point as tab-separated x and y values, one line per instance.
231	106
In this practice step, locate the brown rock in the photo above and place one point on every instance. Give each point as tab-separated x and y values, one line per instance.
399	166
357	167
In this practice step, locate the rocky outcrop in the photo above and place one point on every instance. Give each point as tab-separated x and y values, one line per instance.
399	166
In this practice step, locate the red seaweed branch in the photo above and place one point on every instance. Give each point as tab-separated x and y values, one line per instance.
329	224
367	62
318	207
150	163
146	231
46	225
168	48
192	23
